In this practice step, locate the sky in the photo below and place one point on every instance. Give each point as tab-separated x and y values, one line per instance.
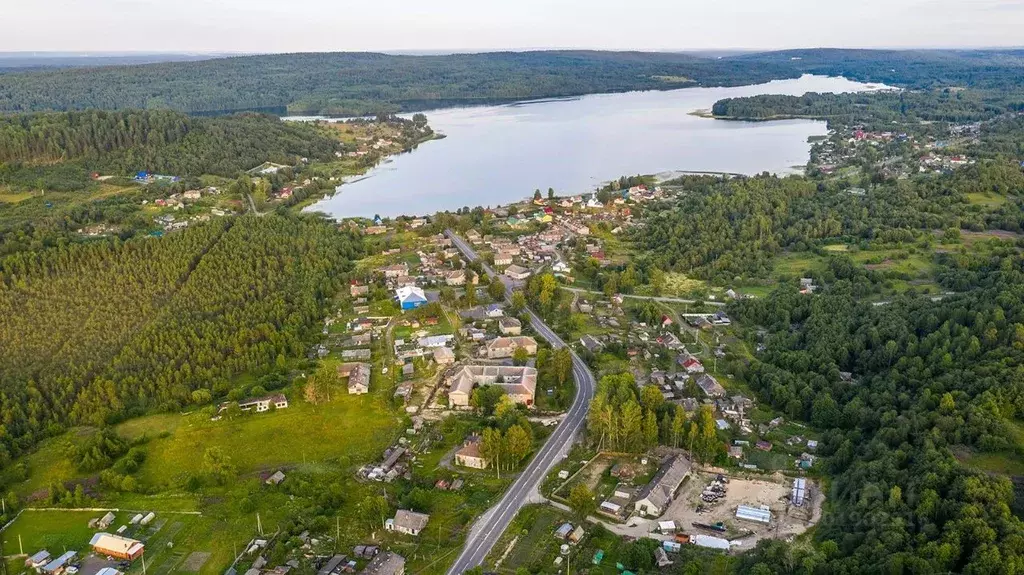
265	26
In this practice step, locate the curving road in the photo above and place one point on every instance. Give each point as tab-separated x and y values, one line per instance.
495	521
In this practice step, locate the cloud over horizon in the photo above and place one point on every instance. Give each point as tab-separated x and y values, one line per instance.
322	25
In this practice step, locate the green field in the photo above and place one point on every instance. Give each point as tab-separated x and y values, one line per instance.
986	199
1001	463
59	530
322	442
353	428
11	197
53	530
677	284
797	264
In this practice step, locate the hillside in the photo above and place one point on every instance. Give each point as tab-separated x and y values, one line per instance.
360	83
905	68
365	83
61	148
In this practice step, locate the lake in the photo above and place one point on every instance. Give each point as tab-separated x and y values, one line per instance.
494	155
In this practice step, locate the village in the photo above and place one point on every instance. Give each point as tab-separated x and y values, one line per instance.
423	331
170	203
444	335
898	153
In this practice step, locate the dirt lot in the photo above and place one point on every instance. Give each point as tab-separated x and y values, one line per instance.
773	491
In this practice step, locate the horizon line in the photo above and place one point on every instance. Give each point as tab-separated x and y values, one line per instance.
452	51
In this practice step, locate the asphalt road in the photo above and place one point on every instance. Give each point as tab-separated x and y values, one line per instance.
489	527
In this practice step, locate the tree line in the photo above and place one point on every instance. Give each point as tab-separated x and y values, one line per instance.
876	109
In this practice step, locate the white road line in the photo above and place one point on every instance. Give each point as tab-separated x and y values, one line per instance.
496	520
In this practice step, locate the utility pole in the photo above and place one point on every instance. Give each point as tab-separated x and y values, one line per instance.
259	524
21	549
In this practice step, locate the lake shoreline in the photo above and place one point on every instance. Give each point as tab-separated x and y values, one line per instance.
500	154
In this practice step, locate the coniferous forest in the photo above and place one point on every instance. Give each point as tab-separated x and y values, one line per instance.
92	333
52	146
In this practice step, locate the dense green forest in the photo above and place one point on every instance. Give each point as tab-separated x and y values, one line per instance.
60	149
361	83
874	108
733	228
917	69
365	83
929	376
93	332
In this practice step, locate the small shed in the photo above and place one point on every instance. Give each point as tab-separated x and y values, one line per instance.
563	531
106	520
760	514
661	557
799	491
710	542
38	560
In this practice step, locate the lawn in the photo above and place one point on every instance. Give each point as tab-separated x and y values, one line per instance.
52	530
323	442
797	264
1004	463
11	197
615	248
170	538
986	199
45	465
900	261
837	248
1001	463
535	545
348	427
677	284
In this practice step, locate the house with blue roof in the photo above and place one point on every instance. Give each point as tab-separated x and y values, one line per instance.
410	297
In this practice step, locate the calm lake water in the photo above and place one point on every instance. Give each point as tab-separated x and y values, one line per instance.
499	154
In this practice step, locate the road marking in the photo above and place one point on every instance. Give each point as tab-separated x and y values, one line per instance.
500	516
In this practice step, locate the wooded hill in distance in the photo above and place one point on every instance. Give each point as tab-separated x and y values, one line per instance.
59	149
365	83
917	69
